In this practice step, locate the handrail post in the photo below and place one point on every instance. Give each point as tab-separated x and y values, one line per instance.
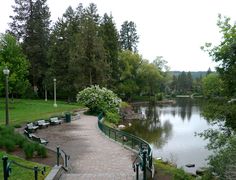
36	173
65	160
115	135
144	164
132	143
137	171
5	174
58	155
109	132
150	162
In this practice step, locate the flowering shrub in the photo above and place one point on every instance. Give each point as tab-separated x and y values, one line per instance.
99	99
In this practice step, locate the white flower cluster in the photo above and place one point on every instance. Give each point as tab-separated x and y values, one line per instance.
99	99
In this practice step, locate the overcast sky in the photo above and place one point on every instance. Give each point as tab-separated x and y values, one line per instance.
174	29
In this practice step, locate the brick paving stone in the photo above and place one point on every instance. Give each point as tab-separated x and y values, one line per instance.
92	155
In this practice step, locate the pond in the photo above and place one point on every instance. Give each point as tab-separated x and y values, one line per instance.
171	131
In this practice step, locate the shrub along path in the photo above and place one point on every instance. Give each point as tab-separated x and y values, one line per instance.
92	155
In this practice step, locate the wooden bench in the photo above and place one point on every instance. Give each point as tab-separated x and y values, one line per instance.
55	121
42	123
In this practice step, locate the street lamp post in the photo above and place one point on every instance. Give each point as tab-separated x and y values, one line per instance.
55	93
46	94
6	73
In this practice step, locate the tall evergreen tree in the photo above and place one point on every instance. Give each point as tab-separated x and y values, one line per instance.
31	25
174	84
61	43
110	38
189	80
182	82
89	52
21	9
128	36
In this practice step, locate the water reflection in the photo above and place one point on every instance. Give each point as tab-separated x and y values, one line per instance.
182	108
219	111
170	130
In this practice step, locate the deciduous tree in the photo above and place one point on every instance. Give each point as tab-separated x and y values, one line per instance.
11	55
225	54
212	85
129	64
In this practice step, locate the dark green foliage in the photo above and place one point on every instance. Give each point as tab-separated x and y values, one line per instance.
128	36
9	145
19	140
62	41
4	131
1	142
194	74
36	42
222	141
17	126
112	117
83	49
19	20
30	24
89	53
28	150
183	83
110	38
78	54
218	111
41	151
7	138
10	140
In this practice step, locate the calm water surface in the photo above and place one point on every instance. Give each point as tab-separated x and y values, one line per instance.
170	129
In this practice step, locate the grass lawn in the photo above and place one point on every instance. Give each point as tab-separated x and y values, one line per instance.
19	173
169	172
24	110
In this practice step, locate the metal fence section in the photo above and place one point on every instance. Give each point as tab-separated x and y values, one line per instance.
66	157
7	168
144	150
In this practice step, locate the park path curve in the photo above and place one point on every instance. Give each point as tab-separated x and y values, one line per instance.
92	155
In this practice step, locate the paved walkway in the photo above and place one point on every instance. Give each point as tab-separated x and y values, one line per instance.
92	155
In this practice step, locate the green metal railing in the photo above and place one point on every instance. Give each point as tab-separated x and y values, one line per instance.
7	168
66	157
139	145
